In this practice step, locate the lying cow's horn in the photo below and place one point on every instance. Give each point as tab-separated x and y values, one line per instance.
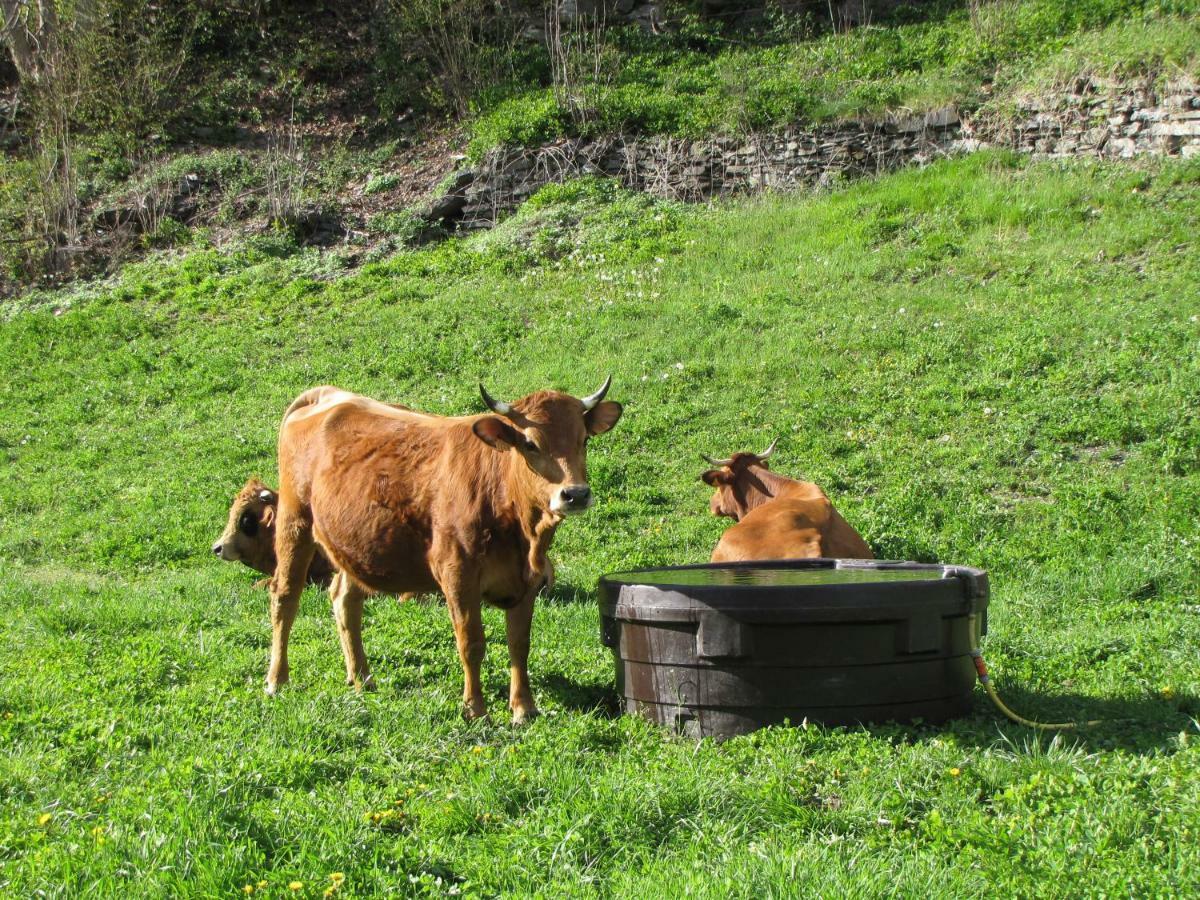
769	450
497	406
590	401
719	463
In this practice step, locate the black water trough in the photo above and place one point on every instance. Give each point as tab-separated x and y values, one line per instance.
722	649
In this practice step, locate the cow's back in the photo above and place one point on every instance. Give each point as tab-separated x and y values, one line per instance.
792	528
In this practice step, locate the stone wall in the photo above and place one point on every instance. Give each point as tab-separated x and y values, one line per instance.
1092	118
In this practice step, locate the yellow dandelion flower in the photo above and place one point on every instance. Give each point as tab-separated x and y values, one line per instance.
295	885
955	772
247	889
44	818
263	883
476	749
337	877
328	892
1167	692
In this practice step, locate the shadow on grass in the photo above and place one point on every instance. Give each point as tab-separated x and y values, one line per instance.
1136	725
582	697
1133	724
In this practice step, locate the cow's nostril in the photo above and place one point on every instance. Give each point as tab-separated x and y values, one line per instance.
577	494
216	548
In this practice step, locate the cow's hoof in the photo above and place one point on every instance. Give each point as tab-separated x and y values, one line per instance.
272	688
523	716
473	711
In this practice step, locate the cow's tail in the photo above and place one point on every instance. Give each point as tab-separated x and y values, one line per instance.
311	397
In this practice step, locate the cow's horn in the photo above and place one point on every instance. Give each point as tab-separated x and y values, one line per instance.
719	463
769	450
497	406
591	400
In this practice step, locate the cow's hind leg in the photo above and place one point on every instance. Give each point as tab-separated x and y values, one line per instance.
347	613
519	620
294	547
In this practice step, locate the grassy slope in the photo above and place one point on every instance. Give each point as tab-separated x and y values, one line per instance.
989	362
693	85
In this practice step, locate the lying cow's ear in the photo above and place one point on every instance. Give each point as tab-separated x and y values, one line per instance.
714	477
268	517
602	416
495	432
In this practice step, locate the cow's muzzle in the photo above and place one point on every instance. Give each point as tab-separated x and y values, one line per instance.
573	498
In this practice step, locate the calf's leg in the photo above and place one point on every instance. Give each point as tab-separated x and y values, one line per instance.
519	620
347	613
464	602
294	547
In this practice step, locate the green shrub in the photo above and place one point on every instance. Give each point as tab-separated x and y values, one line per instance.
377	184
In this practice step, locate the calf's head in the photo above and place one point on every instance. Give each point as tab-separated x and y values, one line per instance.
549	431
249	535
739	488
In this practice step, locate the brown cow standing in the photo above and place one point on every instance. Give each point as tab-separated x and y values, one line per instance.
402	501
249	535
777	517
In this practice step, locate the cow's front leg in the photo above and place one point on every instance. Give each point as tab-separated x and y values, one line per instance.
519	620
347	613
464	602
295	548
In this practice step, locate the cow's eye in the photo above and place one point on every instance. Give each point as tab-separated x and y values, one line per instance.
248	524
531	446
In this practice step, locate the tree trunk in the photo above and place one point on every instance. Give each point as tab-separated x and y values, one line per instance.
20	40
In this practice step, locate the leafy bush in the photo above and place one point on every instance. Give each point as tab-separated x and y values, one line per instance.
377	184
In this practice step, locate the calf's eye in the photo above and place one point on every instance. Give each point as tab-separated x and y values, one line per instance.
248	524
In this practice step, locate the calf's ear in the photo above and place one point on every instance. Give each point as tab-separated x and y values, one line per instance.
602	416
495	432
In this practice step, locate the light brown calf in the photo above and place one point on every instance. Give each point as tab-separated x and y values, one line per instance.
249	535
777	517
403	501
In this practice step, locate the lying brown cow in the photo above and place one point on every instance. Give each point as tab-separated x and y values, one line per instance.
249	536
402	501
777	518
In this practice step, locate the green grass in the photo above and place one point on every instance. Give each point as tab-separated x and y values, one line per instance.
701	82
989	362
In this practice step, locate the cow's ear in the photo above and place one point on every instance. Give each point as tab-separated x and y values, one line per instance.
268	517
714	477
602	416
495	432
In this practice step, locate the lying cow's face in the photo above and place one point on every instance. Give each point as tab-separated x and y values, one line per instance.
249	535
550	431
732	481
